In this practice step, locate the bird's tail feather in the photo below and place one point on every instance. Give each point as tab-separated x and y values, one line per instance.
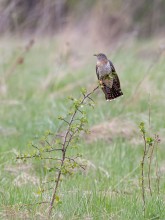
111	93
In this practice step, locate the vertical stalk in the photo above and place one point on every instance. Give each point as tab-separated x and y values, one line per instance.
142	173
149	168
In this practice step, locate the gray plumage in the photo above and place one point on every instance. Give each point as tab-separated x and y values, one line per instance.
107	77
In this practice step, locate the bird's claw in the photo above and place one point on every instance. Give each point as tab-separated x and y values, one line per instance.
100	82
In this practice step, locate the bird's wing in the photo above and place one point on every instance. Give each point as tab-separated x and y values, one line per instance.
108	81
116	82
112	66
107	89
97	72
112	88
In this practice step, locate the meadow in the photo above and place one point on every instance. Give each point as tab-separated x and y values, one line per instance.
33	93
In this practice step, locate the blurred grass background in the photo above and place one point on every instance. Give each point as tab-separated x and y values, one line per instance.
35	84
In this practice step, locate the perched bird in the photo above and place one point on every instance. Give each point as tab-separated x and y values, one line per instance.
108	78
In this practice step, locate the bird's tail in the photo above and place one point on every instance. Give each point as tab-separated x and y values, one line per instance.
111	93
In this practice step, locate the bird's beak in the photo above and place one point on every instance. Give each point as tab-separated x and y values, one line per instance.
95	55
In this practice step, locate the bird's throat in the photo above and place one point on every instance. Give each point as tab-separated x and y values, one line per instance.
102	63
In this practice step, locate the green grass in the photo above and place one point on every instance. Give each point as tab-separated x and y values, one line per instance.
110	188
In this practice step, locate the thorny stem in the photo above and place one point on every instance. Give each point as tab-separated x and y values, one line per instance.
157	169
149	114
54	149
149	168
71	159
150	146
142	173
154	147
32	204
34	156
65	144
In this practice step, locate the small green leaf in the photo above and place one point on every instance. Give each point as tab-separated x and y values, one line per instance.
149	140
142	128
57	199
40	191
83	91
60	117
70	98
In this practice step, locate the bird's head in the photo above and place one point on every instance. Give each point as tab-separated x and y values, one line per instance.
101	57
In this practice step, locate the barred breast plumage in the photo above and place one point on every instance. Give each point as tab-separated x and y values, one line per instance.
104	69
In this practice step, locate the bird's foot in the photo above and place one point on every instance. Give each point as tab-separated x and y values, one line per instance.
101	83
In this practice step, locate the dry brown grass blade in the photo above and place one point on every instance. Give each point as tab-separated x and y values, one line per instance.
19	60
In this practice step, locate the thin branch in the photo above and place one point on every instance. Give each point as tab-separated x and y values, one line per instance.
65	144
32	204
27	157
149	113
50	181
157	140
54	149
51	158
59	135
64	120
91	99
38	156
48	142
80	165
54	191
142	173
44	190
80	111
35	147
151	146
149	167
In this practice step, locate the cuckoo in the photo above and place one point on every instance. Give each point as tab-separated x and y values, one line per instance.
108	78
